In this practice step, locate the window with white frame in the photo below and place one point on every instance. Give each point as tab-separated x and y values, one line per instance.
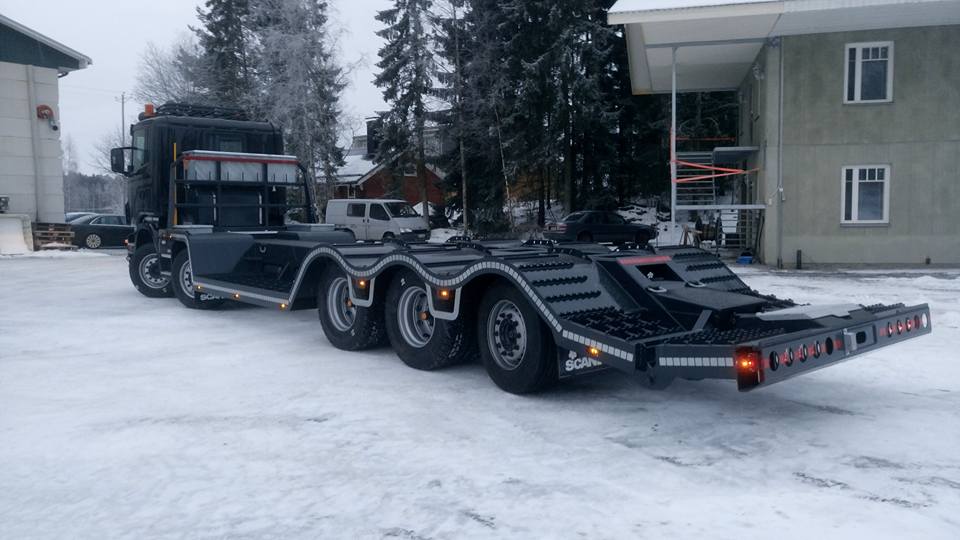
866	194
869	72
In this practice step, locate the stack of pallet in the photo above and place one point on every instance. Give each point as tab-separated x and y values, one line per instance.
52	236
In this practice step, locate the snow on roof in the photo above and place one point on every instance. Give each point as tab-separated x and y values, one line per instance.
356	166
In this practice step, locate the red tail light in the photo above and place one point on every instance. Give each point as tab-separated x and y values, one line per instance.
749	370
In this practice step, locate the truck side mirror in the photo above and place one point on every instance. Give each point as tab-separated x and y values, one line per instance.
117	163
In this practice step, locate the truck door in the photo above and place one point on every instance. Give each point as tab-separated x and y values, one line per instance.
356	220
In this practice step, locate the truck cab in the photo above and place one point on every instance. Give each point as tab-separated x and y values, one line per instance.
203	168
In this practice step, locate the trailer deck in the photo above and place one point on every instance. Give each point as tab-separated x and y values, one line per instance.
664	313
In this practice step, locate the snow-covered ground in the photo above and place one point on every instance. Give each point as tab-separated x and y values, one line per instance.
124	417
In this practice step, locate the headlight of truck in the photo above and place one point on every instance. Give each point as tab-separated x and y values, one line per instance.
405	231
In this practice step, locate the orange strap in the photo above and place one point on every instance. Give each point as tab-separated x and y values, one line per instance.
723	170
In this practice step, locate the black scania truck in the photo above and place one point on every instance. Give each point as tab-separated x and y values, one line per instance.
222	215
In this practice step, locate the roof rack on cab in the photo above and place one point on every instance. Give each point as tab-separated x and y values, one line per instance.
195	111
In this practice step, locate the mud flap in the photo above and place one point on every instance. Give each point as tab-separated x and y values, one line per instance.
570	364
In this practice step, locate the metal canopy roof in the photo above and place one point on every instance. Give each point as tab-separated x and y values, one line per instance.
37	57
717	41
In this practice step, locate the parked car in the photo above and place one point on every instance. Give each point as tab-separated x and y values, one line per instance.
70	217
100	230
598	226
377	219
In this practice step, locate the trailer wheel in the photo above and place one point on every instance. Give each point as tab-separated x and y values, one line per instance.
347	326
182	274
421	340
144	269
517	348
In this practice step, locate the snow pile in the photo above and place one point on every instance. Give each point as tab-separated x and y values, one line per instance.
125	417
11	236
439	236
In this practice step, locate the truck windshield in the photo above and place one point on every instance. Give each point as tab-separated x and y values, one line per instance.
397	209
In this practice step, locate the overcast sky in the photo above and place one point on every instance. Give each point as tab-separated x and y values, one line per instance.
113	34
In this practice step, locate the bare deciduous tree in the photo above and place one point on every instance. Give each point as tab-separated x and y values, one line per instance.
173	74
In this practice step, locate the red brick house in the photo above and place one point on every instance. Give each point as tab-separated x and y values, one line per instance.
361	178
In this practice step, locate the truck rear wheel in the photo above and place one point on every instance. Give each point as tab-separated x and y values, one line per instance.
517	348
182	277
145	273
348	327
421	340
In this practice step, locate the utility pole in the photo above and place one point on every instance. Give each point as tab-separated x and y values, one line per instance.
123	118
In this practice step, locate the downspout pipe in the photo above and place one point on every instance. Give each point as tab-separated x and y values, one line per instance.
780	195
34	136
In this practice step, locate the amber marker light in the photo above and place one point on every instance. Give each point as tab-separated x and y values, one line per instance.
445	294
593	351
236	296
362	284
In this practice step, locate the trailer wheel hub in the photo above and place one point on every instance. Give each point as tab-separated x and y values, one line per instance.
186	279
341	309
413	315
507	335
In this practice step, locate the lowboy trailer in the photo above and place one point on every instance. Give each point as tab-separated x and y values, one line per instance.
535	312
539	312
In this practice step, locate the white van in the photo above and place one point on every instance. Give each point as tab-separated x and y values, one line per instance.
377	219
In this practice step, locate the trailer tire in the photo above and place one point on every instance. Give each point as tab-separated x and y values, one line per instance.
181	275
534	367
350	328
420	340
144	269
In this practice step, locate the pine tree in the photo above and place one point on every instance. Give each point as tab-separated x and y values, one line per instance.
406	69
300	82
225	40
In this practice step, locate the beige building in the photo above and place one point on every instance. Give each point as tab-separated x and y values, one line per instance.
31	173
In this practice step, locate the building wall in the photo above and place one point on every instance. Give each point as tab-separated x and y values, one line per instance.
25	183
917	135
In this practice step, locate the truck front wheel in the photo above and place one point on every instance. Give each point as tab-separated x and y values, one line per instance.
145	273
348	327
183	288
419	339
516	347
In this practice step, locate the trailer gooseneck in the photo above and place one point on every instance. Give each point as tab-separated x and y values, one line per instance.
535	312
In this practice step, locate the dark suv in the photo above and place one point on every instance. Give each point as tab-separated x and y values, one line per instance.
597	226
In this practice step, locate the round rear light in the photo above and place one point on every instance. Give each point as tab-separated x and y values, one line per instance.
890	329
923	320
790	357
899	327
828	345
774	361
909	325
916	322
817	349
804	353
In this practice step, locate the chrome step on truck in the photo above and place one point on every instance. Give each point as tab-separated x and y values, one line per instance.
535	312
